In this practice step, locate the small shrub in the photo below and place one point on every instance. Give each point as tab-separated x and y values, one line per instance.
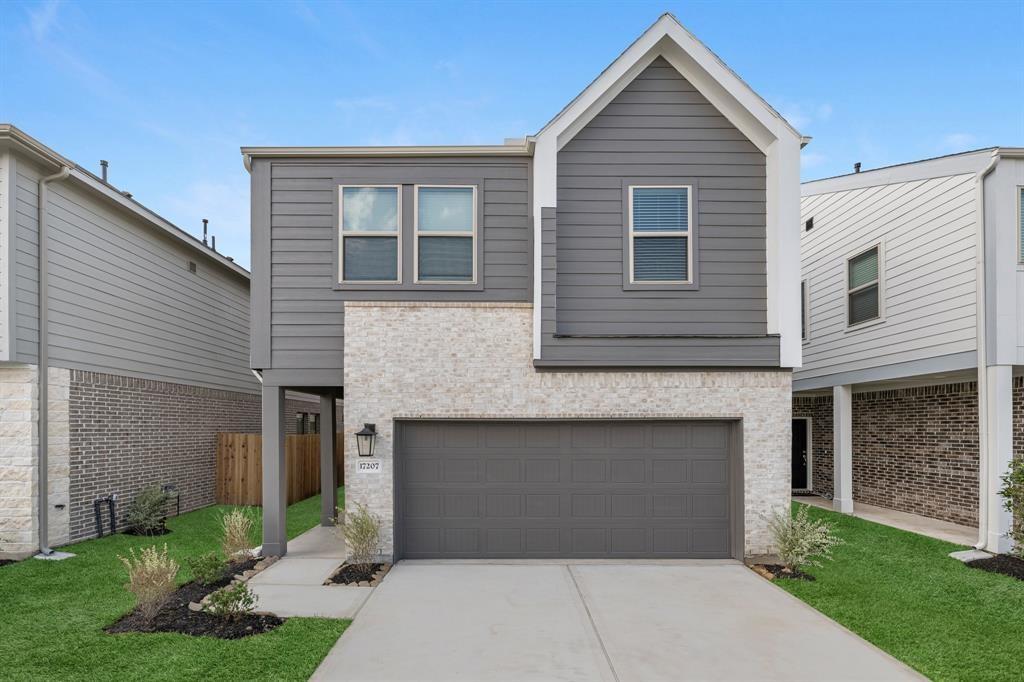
232	602
146	513
361	532
237	536
151	577
208	568
801	541
1013	501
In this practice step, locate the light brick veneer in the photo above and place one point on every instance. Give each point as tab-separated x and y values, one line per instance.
464	360
19	473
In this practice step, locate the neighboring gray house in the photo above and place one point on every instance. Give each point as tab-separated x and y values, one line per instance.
147	345
897	264
578	344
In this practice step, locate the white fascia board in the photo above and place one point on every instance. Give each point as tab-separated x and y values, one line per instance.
754	117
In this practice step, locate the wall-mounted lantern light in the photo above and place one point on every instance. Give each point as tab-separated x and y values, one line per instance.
365	440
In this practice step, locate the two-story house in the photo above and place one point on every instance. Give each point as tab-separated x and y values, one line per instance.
910	396
577	344
124	349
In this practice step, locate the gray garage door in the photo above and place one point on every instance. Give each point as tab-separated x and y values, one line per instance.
563	489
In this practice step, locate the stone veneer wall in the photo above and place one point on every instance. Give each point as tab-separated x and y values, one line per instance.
474	360
914	449
127	433
19	438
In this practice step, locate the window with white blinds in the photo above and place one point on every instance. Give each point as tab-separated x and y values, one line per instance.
863	293
660	240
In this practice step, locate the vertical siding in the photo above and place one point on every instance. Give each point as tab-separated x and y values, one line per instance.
659	130
122	299
307	307
927	232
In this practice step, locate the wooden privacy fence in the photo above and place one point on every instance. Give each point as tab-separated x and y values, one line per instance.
240	467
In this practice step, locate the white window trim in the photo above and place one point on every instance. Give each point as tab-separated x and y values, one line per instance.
688	234
881	288
1020	220
805	287
445	233
342	233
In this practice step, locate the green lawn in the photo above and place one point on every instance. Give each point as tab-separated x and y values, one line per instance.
902	592
52	615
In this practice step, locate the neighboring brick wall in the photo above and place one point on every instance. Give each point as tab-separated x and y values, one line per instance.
128	433
1018	416
463	360
819	410
914	449
293	405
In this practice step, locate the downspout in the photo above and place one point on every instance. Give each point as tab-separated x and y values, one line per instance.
44	363
983	453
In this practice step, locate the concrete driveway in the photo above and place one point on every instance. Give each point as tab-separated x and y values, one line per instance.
595	621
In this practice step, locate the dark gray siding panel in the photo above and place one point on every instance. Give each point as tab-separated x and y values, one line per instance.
121	298
306	305
658	130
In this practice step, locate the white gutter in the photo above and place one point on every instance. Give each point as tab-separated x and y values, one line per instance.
44	362
983	445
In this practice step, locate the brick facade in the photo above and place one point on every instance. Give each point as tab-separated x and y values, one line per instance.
462	360
914	449
128	433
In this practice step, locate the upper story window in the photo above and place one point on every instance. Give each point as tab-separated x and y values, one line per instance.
660	220
863	290
805	312
1020	223
445	234
370	225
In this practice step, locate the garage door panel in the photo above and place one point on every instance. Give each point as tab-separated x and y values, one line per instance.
571	489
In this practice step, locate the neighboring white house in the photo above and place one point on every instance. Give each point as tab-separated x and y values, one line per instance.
893	339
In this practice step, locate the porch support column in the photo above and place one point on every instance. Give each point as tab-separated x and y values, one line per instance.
328	488
999	437
842	434
275	492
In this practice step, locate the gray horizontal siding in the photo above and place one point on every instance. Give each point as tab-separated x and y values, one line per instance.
121	297
658	130
927	232
305	308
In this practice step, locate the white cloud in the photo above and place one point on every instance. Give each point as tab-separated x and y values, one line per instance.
804	114
812	159
957	142
42	19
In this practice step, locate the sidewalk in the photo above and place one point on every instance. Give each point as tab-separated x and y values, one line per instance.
922	525
294	585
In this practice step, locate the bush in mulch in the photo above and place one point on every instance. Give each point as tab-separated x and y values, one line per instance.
147	532
356	574
176	616
1001	563
776	571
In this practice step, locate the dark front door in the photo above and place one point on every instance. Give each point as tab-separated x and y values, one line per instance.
800	455
564	489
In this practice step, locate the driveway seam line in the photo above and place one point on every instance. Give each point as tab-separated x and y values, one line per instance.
593	625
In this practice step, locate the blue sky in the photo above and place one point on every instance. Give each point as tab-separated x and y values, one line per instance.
168	92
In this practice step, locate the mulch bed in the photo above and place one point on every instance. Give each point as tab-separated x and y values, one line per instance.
776	571
5	562
175	616
1001	563
350	574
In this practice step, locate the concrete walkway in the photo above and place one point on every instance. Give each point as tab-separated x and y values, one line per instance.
611	621
922	525
294	585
